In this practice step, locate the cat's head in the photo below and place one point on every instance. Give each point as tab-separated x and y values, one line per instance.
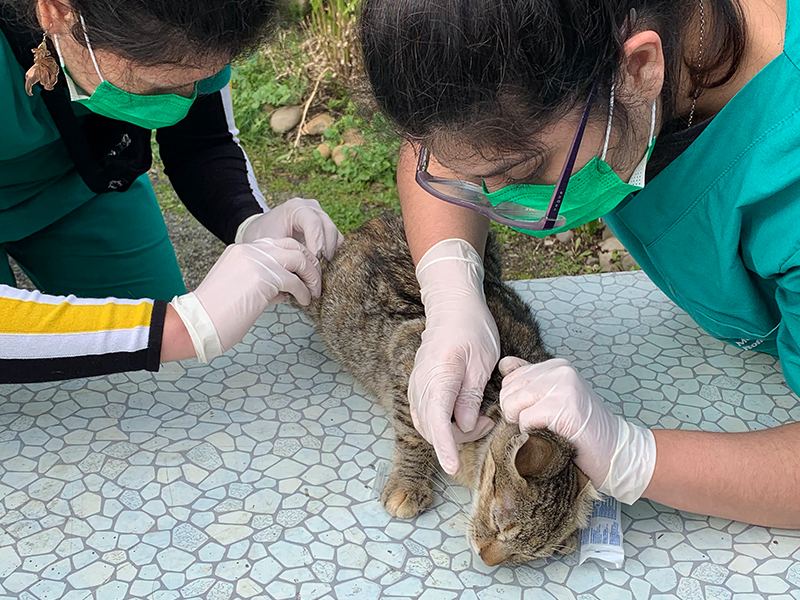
531	498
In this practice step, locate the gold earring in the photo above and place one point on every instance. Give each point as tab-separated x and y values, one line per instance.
44	70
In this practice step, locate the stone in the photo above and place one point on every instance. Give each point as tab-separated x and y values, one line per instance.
9	562
206	456
48	590
136	477
86	504
566	237
353	137
90	576
228	534
130	521
179	494
173	559
188	538
286	118
265	570
318	124
340	154
357	589
290	555
324	150
627	262
610	244
264	501
40	543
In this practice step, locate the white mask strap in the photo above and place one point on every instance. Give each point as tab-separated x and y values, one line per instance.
89	47
75	93
638	175
608	126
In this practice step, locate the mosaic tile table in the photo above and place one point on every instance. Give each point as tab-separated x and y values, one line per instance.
251	478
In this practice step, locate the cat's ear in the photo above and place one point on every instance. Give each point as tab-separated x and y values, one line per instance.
534	456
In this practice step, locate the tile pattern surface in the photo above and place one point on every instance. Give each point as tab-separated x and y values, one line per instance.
251	477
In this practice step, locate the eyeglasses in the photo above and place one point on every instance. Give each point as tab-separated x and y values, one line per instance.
472	196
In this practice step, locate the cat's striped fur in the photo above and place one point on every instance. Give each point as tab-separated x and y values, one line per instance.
529	496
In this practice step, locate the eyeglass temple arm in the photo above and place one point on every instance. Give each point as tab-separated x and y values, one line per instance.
422	161
566	170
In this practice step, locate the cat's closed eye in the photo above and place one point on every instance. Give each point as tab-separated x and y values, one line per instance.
509	532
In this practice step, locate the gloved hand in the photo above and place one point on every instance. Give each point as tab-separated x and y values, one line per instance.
460	347
617	456
242	283
298	218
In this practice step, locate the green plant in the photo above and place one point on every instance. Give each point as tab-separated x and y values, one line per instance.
374	160
333	27
293	12
590	228
567	263
272	77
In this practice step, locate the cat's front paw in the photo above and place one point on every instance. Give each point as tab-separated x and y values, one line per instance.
405	499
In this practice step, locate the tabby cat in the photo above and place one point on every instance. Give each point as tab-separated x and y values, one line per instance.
529	497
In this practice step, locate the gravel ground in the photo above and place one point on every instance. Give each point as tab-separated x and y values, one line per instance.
195	247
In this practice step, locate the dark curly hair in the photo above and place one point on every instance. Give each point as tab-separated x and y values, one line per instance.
156	32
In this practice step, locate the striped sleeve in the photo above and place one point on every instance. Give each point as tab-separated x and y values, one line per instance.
208	167
44	338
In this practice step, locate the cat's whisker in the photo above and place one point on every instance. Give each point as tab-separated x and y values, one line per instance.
445	486
462	509
562	548
468	521
447	490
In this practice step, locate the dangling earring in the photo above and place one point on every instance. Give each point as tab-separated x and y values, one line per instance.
44	70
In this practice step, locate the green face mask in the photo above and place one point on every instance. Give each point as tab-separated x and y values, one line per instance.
591	192
148	111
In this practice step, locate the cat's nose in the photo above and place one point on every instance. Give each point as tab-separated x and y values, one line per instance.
491	555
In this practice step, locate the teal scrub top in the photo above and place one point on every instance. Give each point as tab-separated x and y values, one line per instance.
718	230
38	180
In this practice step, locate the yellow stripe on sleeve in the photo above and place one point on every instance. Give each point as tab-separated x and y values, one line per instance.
27	316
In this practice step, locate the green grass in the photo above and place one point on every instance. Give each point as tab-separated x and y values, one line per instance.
272	77
358	189
361	187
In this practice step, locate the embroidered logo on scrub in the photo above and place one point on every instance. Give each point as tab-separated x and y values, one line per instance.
746	344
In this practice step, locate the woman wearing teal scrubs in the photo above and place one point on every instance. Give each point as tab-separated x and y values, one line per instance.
544	115
82	86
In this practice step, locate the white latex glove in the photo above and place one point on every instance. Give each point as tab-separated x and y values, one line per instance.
242	283
617	456
460	347
298	218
